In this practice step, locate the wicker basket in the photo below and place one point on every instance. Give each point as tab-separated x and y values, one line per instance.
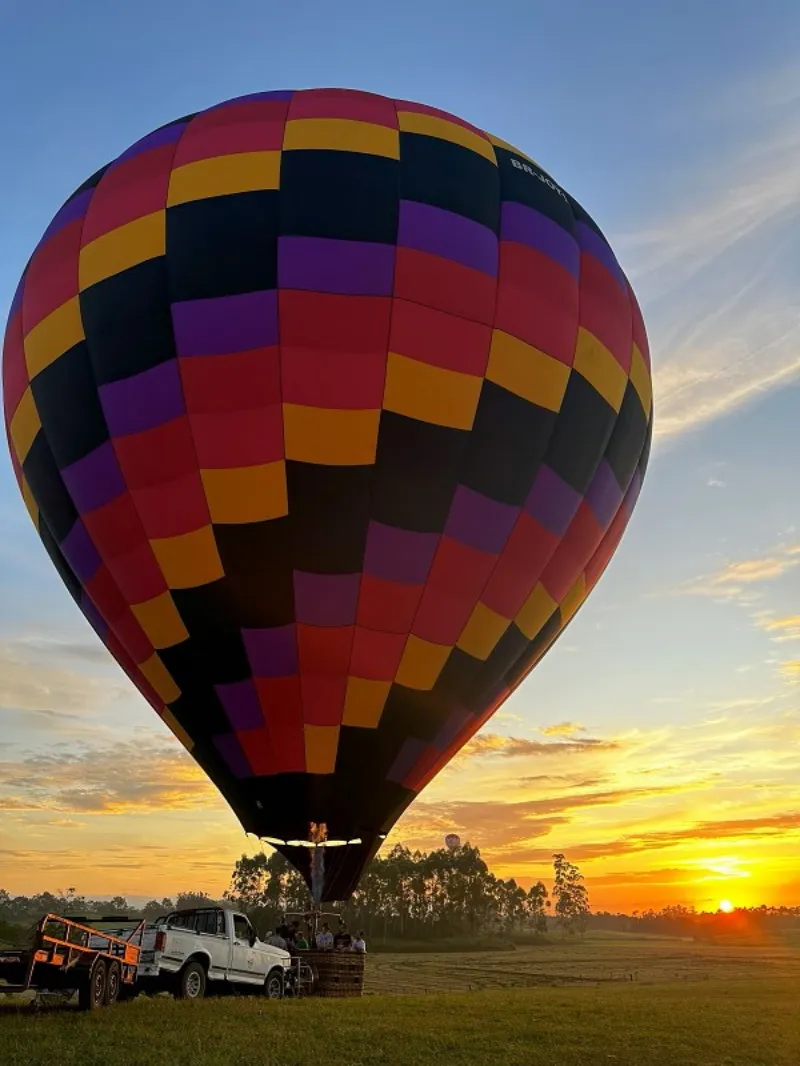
338	973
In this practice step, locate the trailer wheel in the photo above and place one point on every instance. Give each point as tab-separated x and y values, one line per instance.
191	983
113	983
273	986
92	993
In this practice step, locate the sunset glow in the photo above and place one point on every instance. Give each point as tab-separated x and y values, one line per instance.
657	743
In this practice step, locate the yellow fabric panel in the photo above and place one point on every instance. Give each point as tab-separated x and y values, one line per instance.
430	393
246	494
482	632
224	174
30	503
421	664
61	330
189	560
322	743
341	135
24	425
433	126
500	143
156	673
535	611
596	363
159	619
640	379
524	370
364	703
172	722
573	599
144	238
330	437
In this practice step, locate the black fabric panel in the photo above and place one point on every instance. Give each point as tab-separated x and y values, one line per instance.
68	404
525	183
223	246
506	446
446	175
258	589
48	488
127	321
416	472
625	444
584	426
341	195
329	515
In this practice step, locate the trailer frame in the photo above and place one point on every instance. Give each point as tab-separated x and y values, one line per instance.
100	973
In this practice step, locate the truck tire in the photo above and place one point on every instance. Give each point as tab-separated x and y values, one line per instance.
92	992
273	985
113	983
191	982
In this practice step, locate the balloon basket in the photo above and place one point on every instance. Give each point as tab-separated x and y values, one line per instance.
339	974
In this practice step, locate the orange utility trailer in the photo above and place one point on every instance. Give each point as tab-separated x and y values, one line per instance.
70	955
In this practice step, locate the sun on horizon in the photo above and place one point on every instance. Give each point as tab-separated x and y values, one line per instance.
726	906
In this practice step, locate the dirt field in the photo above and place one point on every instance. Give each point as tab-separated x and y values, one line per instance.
597	958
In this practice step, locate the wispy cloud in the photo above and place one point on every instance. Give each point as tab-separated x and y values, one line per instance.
144	775
30	682
774	825
791	669
487	744
561	729
780	629
718	280
736	580
500	825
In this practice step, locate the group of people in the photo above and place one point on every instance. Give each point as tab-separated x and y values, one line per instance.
293	938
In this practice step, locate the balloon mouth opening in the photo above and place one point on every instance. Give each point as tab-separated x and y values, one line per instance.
278	842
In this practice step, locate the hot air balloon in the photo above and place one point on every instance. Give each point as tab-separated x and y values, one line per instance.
330	410
452	842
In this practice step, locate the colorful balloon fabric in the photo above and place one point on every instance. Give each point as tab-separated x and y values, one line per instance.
330	410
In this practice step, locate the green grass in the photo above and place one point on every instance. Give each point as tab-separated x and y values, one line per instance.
559	1003
719	1024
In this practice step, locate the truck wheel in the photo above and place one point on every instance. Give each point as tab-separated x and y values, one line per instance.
273	986
191	983
113	983
92	993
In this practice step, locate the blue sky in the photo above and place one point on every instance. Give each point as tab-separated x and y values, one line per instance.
670	706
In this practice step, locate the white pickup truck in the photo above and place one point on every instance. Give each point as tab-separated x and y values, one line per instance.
187	950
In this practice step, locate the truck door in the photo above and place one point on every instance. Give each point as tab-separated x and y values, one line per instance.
244	965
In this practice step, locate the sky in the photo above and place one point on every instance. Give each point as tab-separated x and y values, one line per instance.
658	743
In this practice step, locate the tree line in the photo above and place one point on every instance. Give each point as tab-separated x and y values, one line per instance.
404	896
414	895
409	896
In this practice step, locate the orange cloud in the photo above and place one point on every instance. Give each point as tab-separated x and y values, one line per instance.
787	628
511	747
735	580
791	669
775	825
498	823
561	729
112	779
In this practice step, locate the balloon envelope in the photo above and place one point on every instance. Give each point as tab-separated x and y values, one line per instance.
330	410
452	841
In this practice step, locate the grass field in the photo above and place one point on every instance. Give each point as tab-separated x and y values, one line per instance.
597	958
555	1005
